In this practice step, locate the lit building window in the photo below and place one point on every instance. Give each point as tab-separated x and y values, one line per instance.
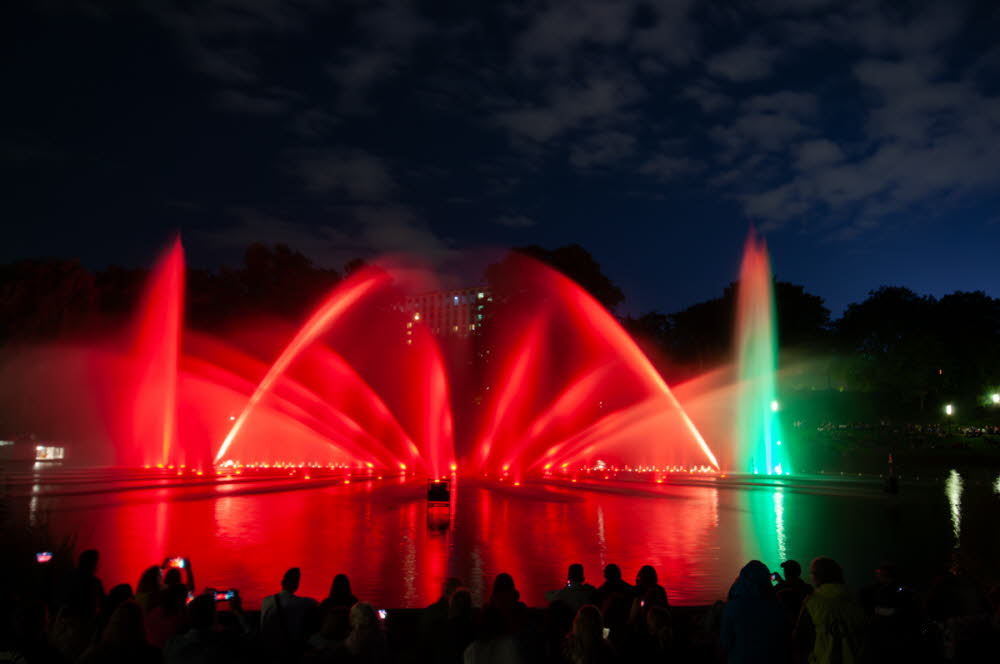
49	453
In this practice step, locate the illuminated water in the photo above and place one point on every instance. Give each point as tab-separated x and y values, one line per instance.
245	533
756	431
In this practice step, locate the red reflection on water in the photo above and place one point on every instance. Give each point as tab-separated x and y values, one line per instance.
246	535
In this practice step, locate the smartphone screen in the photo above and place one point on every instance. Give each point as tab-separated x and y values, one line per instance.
43	556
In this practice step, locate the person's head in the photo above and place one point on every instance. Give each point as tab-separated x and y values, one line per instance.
504	583
341	586
612	573
88	560
754	581
290	581
201	612
365	633
792	570
126	626
120	593
149	582
588	626
173	577
363	617
575	573
646	577
825	570
450	585
460	603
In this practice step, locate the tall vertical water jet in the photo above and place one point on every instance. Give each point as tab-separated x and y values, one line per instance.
156	353
757	434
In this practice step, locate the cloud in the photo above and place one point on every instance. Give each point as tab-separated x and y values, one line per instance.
214	38
747	62
555	33
397	229
355	231
571	105
930	140
313	123
707	96
236	101
666	31
923	127
814	153
384	33
514	221
766	122
885	29
603	148
666	167
352	175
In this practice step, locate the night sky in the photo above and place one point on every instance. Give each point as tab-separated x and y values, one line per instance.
862	138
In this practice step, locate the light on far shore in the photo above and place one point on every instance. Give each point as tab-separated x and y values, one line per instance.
949	409
995	398
774	406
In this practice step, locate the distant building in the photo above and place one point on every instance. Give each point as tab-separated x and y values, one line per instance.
452	313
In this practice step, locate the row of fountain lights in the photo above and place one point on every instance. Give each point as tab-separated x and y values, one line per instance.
229	468
598	470
601	470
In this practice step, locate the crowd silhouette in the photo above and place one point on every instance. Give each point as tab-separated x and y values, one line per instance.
767	616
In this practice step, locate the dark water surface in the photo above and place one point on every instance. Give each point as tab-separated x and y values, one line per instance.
396	550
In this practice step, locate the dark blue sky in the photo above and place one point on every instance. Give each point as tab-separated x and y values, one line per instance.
862	138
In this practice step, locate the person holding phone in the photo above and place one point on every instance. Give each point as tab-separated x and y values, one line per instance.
754	628
791	590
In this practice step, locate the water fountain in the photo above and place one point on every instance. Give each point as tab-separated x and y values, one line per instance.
565	389
756	432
